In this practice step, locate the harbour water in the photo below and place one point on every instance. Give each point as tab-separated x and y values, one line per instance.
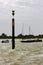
23	54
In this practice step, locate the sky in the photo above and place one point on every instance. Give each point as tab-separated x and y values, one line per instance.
28	14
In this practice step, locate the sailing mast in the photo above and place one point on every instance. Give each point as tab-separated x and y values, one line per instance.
22	29
29	30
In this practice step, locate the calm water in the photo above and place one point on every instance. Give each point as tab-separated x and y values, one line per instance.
23	54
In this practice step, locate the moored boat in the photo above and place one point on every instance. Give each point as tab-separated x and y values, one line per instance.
5	41
38	40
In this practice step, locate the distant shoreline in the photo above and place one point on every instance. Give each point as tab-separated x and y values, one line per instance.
21	38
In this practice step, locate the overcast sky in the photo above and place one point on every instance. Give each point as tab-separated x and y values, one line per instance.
28	13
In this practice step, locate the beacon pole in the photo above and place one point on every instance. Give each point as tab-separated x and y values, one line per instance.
13	31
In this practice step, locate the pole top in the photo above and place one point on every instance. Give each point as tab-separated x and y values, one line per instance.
13	12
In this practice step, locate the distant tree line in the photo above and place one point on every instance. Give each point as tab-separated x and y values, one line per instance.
29	36
3	35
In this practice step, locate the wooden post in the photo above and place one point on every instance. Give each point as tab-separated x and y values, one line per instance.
13	31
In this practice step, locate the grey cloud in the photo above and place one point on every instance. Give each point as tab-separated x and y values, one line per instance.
31	14
30	3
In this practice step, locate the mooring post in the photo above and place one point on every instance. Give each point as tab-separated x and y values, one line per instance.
13	30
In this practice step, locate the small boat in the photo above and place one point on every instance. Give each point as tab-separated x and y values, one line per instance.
5	41
30	40
38	40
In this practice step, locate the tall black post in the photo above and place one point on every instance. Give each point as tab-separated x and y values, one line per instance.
13	31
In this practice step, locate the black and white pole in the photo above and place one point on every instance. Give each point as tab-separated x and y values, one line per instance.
13	30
